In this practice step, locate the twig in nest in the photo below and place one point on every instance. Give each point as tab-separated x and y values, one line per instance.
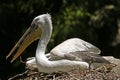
18	75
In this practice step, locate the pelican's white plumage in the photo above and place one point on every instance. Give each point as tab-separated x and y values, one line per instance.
72	45
56	60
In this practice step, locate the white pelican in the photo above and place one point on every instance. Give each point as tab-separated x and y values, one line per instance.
67	56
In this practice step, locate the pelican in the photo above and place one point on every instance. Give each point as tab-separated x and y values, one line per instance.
69	55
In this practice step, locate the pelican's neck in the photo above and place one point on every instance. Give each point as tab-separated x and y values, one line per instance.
45	37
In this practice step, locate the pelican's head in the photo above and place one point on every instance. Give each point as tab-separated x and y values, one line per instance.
42	20
33	33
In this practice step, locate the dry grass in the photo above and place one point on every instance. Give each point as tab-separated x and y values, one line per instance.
102	73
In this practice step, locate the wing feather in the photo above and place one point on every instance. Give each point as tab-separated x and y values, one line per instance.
72	45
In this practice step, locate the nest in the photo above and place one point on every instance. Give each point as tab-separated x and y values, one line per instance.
101	73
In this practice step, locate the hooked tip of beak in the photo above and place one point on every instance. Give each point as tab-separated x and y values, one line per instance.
7	57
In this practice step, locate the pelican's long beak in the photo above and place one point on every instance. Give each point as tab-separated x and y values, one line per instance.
33	33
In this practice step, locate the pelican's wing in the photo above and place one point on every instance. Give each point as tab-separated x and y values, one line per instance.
72	45
86	56
94	60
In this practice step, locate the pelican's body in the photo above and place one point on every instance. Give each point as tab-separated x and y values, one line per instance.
66	47
56	60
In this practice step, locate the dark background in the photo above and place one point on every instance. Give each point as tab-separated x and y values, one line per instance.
95	21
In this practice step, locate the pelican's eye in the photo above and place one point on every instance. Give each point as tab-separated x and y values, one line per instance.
36	20
34	25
